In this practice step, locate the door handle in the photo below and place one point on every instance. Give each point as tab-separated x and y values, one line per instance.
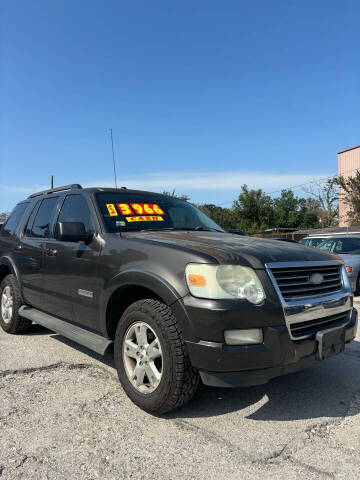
51	252
18	247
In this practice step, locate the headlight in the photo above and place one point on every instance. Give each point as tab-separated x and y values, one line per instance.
224	281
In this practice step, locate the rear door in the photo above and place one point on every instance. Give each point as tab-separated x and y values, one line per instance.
71	268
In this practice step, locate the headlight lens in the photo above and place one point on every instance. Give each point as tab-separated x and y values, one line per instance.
224	281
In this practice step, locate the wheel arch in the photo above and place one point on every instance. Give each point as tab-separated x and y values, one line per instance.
7	267
128	287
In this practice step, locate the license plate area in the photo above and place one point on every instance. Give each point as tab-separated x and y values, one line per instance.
330	342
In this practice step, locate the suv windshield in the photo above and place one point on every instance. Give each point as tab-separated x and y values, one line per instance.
341	245
126	212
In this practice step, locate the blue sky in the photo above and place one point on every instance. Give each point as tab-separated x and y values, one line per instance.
202	96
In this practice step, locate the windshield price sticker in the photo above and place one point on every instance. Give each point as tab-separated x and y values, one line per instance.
147	208
112	210
139	209
153	218
124	209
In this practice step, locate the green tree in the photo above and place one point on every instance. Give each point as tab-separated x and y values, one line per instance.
254	210
295	212
225	217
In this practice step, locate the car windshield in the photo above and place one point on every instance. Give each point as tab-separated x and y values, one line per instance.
341	245
126	212
311	242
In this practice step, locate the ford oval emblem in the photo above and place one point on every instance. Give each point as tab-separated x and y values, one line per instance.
316	278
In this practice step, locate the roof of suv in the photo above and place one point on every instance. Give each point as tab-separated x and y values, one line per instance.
77	187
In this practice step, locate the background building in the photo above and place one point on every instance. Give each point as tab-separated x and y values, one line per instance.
348	163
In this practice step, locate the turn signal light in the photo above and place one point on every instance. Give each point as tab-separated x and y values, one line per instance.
197	280
349	269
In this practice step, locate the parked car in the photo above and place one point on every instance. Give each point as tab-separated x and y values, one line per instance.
312	241
178	297
348	248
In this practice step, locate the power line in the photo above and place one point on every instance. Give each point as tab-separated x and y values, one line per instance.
296	187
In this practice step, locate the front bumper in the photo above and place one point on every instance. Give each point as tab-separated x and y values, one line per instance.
233	366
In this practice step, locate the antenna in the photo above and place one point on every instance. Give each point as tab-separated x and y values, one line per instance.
113	156
52	182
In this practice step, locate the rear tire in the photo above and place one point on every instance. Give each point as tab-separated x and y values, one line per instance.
149	326
10	303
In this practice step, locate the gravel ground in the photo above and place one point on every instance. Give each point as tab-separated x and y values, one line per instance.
64	415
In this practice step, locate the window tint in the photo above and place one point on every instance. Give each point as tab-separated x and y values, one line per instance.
14	219
75	209
150	211
30	222
41	227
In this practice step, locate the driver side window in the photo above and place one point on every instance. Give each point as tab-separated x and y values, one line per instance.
75	209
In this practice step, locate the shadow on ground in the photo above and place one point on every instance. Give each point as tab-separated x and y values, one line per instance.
324	390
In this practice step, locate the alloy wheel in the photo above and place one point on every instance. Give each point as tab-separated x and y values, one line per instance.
7	305
142	357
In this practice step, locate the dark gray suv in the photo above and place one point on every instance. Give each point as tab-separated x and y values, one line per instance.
180	298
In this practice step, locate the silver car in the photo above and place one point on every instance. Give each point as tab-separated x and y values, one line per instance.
348	248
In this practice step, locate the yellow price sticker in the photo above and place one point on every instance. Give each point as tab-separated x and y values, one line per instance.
146	218
112	210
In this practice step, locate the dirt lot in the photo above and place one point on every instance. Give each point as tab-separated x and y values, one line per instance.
63	415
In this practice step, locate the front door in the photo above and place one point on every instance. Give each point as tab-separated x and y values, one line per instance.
29	251
71	268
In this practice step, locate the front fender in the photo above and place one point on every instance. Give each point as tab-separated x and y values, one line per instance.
156	284
149	280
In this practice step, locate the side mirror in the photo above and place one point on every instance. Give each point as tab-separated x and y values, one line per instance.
72	232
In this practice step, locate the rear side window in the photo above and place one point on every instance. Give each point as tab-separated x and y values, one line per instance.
31	220
44	217
14	219
76	209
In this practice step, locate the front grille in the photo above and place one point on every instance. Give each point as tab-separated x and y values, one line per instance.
294	282
310	327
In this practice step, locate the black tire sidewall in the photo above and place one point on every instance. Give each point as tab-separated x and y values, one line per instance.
153	401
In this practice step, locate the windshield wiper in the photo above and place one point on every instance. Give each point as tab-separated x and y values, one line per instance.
196	229
202	229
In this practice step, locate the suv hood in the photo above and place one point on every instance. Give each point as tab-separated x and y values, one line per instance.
231	248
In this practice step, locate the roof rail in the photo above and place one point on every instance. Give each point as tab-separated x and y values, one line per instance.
74	186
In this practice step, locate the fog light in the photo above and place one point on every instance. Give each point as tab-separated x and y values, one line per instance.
244	337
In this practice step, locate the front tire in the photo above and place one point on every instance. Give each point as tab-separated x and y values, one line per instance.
357	288
10	303
153	366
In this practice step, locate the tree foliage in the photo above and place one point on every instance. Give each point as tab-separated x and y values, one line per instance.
325	197
350	194
254	211
225	217
3	216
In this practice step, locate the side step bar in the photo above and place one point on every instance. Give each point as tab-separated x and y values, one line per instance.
91	340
